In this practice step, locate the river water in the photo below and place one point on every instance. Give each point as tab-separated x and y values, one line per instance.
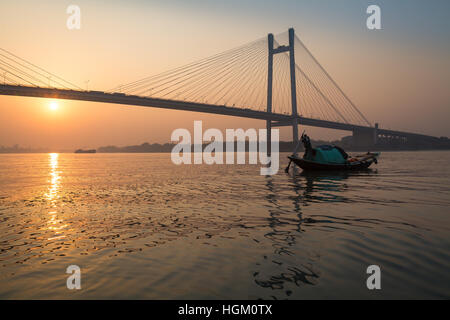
141	227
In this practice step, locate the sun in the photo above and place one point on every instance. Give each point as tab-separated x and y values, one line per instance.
54	106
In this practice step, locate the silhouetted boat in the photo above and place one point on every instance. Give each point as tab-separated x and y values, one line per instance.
85	151
333	158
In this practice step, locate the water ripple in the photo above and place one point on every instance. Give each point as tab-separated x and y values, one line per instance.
285	236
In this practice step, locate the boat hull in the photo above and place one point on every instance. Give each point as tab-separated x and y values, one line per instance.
315	166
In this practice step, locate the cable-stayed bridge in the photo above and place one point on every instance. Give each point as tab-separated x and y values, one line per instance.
276	79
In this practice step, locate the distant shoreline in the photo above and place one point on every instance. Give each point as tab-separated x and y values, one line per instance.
68	152
284	146
168	152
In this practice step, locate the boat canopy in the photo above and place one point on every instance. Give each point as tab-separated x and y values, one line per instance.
326	154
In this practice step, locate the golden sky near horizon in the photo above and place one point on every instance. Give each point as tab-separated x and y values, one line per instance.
397	76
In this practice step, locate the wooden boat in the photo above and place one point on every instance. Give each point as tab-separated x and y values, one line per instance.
358	163
331	158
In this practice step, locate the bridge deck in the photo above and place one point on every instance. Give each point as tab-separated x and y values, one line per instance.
119	98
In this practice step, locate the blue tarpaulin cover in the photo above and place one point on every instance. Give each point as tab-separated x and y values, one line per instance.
327	154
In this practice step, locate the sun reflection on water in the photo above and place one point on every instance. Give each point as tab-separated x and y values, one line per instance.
54	181
54	223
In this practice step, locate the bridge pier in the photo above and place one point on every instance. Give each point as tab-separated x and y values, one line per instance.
293	90
269	137
271	52
365	137
269	93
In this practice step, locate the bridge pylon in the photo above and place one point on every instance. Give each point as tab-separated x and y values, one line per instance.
271	52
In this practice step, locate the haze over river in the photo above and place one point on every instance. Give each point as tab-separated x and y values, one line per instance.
141	227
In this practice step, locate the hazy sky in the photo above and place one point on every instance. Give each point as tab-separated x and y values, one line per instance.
398	76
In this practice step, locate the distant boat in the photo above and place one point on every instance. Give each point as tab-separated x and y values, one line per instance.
85	151
331	158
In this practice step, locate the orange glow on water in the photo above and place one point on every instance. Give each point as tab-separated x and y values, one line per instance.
54	223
